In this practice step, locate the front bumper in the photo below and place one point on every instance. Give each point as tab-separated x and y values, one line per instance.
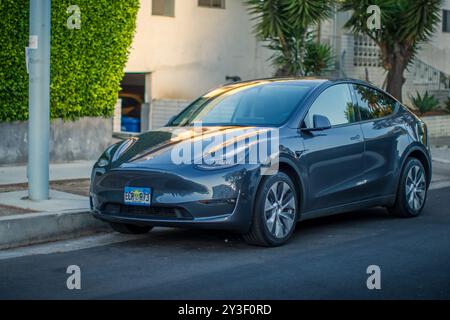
186	197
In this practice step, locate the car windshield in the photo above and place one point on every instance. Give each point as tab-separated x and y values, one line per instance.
254	104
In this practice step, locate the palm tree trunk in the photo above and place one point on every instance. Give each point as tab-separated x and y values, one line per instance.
395	77
302	52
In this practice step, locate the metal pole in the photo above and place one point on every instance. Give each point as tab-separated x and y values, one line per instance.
39	100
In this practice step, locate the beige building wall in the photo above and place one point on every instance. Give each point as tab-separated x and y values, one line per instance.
437	52
194	51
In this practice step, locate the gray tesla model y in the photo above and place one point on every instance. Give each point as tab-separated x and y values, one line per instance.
256	157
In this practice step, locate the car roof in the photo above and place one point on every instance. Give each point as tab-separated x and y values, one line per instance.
299	80
276	80
313	82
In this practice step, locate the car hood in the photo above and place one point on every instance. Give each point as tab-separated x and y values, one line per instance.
159	147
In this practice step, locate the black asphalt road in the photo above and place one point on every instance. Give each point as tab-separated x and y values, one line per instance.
327	259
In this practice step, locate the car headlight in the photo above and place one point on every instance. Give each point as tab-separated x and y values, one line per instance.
423	133
105	158
103	163
123	147
209	164
113	153
221	159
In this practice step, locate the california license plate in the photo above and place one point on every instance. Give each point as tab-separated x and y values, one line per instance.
138	196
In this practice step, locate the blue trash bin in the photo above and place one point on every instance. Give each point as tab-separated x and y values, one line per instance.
131	124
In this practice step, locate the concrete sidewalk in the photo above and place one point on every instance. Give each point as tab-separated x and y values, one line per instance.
440	149
60	202
58	172
441	155
63	216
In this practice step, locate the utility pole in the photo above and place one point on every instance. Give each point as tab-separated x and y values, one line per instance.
39	99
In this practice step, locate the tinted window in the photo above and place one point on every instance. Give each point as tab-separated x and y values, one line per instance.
446	21
373	104
163	8
335	103
268	104
212	3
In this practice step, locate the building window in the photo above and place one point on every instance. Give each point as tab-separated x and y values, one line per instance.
446	21
366	52
220	4
163	8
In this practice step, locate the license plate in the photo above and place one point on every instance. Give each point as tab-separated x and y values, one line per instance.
138	196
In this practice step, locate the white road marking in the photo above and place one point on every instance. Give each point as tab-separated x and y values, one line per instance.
445	161
436	185
68	245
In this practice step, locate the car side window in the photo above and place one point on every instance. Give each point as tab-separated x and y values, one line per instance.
373	104
336	104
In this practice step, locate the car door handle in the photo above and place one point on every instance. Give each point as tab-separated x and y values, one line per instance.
357	137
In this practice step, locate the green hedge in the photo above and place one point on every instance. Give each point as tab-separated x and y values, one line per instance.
86	65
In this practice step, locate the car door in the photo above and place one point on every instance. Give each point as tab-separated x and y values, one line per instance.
333	157
384	136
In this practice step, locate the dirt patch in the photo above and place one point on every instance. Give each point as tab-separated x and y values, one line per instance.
78	187
14	187
431	113
7	210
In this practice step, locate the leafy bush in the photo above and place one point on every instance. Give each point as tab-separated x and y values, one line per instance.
319	57
447	104
13	74
285	26
86	64
425	103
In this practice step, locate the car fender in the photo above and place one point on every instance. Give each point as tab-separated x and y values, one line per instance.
415	146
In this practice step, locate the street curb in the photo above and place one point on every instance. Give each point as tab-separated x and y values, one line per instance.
26	229
441	160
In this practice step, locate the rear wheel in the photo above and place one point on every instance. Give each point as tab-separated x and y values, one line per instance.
276	212
130	229
412	191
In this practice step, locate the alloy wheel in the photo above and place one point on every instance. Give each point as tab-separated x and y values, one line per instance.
280	209
415	188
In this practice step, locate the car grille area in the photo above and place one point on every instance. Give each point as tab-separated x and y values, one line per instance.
149	212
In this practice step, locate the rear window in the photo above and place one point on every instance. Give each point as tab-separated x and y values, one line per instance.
374	104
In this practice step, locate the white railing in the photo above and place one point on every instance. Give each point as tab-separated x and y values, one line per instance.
427	75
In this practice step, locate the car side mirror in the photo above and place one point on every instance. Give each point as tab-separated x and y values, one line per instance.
319	123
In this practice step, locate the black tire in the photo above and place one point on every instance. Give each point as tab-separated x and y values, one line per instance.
129	228
402	207
259	233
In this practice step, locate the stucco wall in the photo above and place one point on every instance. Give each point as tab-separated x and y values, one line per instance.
162	110
437	52
438	126
84	139
194	51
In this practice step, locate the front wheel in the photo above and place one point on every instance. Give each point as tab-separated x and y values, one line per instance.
412	191
276	212
129	228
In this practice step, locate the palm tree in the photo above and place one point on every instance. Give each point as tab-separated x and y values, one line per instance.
285	24
405	24
318	58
